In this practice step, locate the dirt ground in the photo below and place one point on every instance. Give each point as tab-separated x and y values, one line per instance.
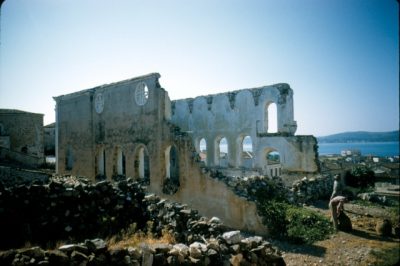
362	246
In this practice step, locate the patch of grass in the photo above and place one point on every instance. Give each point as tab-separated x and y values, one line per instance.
131	237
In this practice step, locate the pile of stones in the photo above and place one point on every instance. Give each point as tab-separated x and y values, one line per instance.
231	248
308	190
68	208
248	187
302	191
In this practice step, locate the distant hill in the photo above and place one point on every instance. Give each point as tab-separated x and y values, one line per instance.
361	136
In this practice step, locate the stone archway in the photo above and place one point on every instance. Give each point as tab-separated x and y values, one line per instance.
142	163
171	182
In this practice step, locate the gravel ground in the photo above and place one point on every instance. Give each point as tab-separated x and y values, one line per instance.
360	247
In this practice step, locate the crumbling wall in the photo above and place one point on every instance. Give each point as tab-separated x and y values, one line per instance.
130	128
23	133
101	131
235	115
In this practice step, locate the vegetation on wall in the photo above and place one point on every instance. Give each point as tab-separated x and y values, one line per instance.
288	221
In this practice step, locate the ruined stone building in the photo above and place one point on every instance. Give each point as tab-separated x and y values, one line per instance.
131	128
21	137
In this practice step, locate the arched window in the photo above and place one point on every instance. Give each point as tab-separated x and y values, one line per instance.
171	183
203	150
101	163
142	164
247	152
271	116
120	162
223	149
273	164
172	163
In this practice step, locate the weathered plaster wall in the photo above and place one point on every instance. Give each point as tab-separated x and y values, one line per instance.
94	137
125	126
209	196
122	127
235	115
23	131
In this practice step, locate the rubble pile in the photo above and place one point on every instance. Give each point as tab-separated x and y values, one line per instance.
302	191
229	249
308	190
74	210
67	208
247	187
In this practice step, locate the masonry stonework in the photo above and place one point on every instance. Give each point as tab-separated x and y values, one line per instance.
235	115
132	129
21	136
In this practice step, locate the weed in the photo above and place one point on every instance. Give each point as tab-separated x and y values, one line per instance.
285	220
132	238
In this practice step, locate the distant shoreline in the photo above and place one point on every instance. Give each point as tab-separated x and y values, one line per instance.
357	141
361	137
380	149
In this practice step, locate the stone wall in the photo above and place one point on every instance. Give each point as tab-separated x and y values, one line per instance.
230	249
235	115
308	190
73	209
131	129
67	208
11	176
25	132
102	131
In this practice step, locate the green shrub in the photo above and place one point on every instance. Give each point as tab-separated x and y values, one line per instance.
306	226
287	221
274	217
293	223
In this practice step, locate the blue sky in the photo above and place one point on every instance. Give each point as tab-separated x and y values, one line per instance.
341	57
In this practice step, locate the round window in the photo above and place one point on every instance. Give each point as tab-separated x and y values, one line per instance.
99	103
141	93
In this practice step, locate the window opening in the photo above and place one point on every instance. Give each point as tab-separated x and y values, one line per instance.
223	149
271	118
203	150
247	152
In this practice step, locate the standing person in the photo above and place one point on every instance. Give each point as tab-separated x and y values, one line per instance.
336	205
337	187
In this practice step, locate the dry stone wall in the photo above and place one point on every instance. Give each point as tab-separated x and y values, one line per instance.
74	210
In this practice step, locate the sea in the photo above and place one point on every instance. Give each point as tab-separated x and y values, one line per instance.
381	149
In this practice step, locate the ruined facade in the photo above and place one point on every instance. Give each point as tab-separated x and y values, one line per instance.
244	113
21	137
131	128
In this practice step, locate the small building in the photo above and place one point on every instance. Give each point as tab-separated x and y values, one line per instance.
21	137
